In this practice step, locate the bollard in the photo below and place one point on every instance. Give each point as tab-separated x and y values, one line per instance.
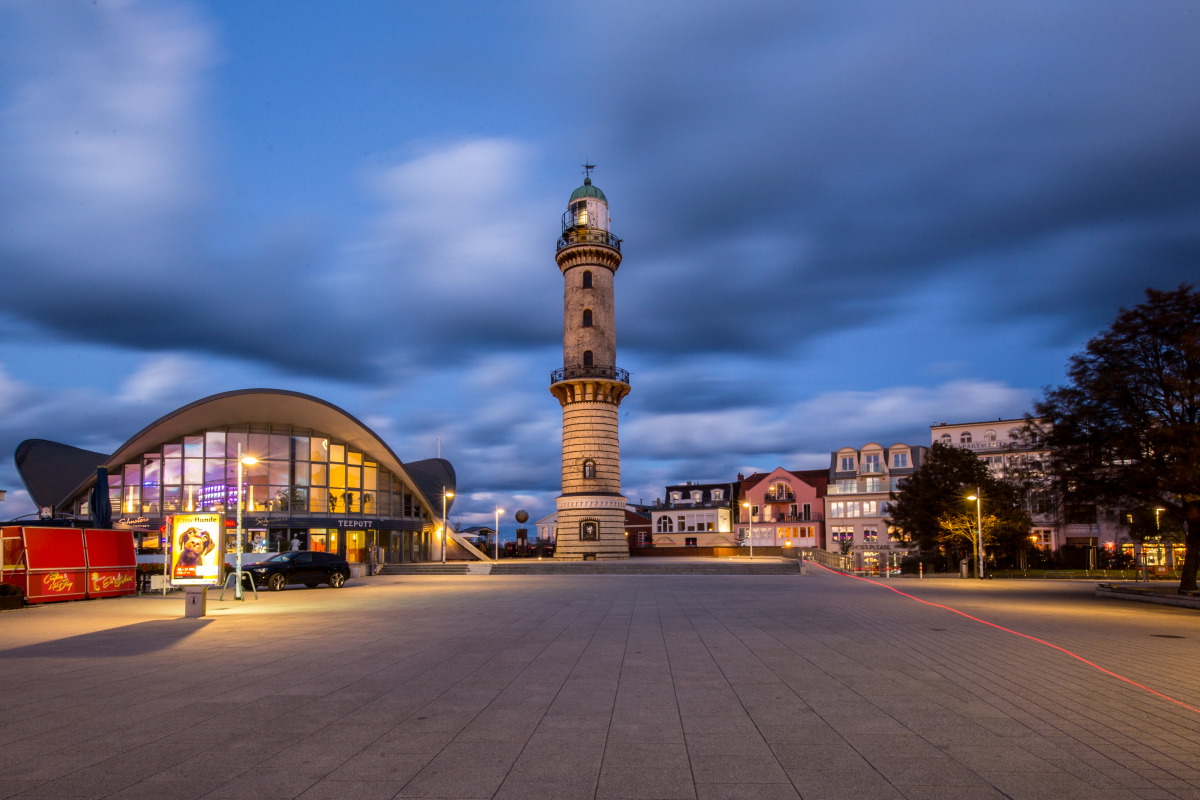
921	569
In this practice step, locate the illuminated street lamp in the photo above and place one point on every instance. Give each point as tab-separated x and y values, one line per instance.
978	498
247	461
446	495
496	544
750	521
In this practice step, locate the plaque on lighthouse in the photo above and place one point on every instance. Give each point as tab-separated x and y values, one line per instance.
590	385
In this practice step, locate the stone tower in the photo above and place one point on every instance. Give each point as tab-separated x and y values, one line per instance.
590	387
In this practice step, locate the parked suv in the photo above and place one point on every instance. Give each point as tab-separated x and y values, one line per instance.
300	566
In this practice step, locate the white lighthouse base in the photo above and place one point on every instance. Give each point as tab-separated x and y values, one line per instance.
580	517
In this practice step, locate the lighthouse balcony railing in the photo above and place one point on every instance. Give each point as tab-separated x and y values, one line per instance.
588	236
580	371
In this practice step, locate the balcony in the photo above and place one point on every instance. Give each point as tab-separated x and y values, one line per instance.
588	236
579	371
779	497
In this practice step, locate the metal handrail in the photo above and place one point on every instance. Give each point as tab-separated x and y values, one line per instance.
580	371
588	236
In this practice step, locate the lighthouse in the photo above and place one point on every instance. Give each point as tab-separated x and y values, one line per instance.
590	386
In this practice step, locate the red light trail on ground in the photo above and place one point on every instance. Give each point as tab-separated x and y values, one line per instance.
1075	656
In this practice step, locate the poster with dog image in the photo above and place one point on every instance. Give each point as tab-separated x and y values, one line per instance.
195	549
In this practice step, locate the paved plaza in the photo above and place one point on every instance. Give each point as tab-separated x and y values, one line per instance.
596	686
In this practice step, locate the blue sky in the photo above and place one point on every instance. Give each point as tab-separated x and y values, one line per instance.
843	221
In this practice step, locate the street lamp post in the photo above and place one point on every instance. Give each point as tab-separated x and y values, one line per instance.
978	498
446	495
750	533
496	543
241	460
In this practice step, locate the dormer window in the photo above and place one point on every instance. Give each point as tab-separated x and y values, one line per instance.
676	496
718	494
697	496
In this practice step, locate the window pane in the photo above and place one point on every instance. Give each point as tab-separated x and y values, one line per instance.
354	458
319	475
280	447
214	471
259	445
354	477
232	440
337	453
193	470
278	472
300	447
172	450
214	443
318	449
318	500
369	483
193	445
133	474
172	471
337	476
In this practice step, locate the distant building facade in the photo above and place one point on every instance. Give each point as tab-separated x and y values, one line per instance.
858	504
694	515
782	508
1015	453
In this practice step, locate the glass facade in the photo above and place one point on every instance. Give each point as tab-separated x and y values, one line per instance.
303	485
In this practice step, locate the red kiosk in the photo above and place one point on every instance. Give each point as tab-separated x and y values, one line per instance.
53	564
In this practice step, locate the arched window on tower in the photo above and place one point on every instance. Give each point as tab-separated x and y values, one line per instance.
587	358
587	279
587	318
589	469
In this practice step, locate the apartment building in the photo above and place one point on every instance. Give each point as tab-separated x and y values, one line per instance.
694	514
782	508
1012	451
857	505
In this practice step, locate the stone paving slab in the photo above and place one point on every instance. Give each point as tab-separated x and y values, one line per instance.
618	687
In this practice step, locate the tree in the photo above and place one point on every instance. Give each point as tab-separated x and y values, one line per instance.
931	501
1125	428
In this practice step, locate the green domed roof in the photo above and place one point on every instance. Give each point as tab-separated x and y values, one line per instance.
587	190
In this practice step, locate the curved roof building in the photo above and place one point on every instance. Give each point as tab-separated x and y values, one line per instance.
322	479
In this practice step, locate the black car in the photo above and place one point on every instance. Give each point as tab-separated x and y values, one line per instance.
300	566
